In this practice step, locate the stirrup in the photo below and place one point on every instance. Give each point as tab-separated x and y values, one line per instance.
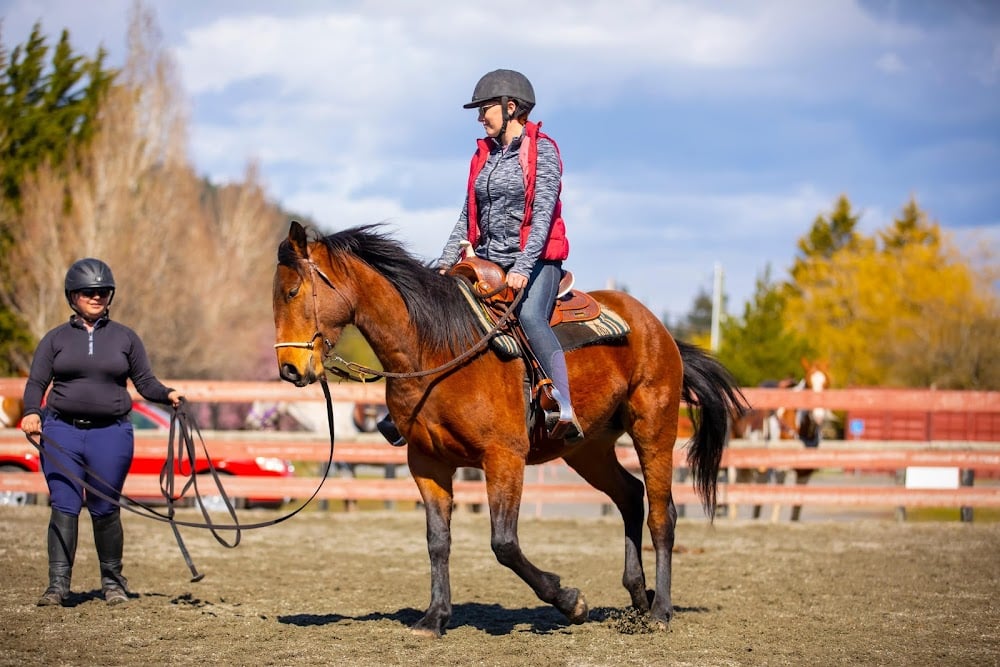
563	429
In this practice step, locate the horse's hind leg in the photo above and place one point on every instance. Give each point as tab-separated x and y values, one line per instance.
504	485
662	523
654	432
626	492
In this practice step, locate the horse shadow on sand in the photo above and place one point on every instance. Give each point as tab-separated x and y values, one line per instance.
496	620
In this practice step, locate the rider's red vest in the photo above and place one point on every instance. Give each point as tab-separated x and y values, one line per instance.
557	246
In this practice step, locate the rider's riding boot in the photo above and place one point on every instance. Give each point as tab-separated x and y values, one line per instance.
562	425
388	429
110	540
62	550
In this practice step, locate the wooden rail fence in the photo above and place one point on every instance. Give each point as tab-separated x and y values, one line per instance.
969	457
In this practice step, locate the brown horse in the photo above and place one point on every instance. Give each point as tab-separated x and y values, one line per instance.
473	413
785	424
11	411
807	425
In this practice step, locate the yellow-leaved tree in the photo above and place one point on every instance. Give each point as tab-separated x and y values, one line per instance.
904	308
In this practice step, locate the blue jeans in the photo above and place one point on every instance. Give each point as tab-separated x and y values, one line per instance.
534	313
106	452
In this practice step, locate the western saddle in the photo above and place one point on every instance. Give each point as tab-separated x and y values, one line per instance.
489	282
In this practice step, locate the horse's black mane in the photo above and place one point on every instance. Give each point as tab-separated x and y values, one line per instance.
436	307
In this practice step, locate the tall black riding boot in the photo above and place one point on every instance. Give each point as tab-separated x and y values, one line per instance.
62	550
387	427
110	541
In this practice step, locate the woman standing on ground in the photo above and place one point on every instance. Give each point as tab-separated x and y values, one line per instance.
87	361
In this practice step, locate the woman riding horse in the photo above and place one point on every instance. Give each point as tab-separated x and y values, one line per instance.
458	404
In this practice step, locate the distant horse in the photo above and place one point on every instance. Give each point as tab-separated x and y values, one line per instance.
473	412
11	411
786	424
304	415
807	425
759	424
367	416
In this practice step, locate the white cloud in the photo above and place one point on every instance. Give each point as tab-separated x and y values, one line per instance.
890	63
353	112
373	57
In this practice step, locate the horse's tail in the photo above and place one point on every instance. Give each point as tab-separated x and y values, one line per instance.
709	387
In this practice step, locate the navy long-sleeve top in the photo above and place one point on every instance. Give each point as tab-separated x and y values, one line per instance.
89	370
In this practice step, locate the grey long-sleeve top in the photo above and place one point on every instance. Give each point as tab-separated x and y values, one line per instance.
499	191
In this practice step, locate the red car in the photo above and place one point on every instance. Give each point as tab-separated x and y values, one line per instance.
145	416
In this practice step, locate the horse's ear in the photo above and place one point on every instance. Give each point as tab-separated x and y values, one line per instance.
805	363
297	238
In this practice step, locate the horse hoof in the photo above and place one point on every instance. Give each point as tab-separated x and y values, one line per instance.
573	604
660	621
430	626
581	613
425	632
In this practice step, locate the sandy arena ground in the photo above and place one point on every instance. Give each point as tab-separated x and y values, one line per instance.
342	589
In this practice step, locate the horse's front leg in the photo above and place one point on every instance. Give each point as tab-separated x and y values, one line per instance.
504	485
436	493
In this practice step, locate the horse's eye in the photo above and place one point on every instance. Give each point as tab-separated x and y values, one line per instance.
294	292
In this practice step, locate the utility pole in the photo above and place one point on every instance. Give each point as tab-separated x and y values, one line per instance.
716	307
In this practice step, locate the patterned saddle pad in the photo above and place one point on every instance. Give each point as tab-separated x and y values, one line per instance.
608	327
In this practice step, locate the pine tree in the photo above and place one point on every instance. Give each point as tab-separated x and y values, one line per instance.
758	347
828	235
696	326
47	110
911	229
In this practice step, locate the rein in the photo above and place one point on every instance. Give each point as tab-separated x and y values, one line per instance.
360	370
457	361
183	427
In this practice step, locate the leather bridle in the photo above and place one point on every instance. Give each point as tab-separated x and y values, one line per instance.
360	370
311	343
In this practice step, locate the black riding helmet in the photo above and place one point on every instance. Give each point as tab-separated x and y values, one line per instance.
504	85
89	273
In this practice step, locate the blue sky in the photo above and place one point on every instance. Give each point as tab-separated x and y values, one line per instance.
692	133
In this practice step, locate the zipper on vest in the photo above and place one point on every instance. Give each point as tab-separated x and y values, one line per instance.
90	343
489	204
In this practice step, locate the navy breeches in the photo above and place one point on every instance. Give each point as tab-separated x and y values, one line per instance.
99	456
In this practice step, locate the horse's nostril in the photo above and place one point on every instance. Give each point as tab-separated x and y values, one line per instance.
289	373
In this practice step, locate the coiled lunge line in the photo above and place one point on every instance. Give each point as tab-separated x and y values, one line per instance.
183	428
